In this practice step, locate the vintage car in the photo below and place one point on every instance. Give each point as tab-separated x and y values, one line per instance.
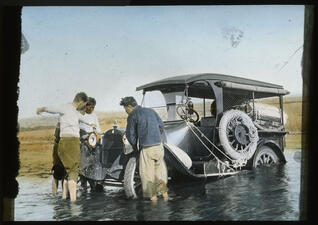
215	125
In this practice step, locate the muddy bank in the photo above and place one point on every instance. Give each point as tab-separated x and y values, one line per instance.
35	163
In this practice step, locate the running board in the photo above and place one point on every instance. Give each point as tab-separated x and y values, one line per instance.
113	182
116	183
215	174
221	174
215	167
211	169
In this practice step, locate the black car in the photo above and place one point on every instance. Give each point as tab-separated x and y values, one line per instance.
215	125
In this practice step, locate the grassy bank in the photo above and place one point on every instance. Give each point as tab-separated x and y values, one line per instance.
293	141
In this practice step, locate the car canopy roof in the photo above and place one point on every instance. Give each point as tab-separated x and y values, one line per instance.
226	81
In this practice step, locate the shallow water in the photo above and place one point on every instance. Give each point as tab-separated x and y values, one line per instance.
260	194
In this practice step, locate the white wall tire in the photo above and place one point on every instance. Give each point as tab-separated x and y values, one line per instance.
132	182
238	135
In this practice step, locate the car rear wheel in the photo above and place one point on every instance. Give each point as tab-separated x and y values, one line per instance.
265	156
132	182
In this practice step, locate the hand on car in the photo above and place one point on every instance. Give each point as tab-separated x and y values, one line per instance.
40	110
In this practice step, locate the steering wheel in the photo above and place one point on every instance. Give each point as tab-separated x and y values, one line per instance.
187	112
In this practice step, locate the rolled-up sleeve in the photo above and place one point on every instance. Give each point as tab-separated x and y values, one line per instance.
59	109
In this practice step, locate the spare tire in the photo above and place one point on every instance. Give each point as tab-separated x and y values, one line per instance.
238	135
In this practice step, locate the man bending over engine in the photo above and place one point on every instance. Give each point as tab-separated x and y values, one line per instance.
144	126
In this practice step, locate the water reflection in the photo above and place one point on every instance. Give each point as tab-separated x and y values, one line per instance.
259	194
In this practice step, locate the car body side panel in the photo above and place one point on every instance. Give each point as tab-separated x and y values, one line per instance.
179	134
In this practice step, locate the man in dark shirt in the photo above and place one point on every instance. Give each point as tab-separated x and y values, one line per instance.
143	131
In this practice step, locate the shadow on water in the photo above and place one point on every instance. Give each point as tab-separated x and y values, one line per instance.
258	194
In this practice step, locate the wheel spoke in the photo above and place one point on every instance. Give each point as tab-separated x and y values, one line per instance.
268	159
265	158
229	131
261	160
137	184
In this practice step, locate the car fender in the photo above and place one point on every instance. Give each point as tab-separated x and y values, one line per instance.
174	160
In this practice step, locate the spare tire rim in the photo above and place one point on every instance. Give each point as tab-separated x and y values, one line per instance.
238	134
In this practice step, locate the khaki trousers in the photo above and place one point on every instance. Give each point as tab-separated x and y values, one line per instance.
69	154
153	171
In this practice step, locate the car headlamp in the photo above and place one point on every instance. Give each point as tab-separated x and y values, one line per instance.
127	146
93	139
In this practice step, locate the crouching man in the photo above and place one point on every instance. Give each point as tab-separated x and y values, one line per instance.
144	126
68	149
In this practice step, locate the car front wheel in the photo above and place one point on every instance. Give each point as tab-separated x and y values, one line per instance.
265	156
132	182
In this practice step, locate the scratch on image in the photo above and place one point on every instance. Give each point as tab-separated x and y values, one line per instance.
234	35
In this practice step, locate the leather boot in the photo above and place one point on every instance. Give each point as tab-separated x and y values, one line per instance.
55	185
72	189
65	189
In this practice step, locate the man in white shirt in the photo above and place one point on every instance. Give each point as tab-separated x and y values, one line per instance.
69	144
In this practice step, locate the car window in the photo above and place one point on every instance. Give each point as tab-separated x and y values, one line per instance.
202	107
198	104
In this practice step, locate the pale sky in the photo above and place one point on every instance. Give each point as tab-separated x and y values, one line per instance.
108	51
